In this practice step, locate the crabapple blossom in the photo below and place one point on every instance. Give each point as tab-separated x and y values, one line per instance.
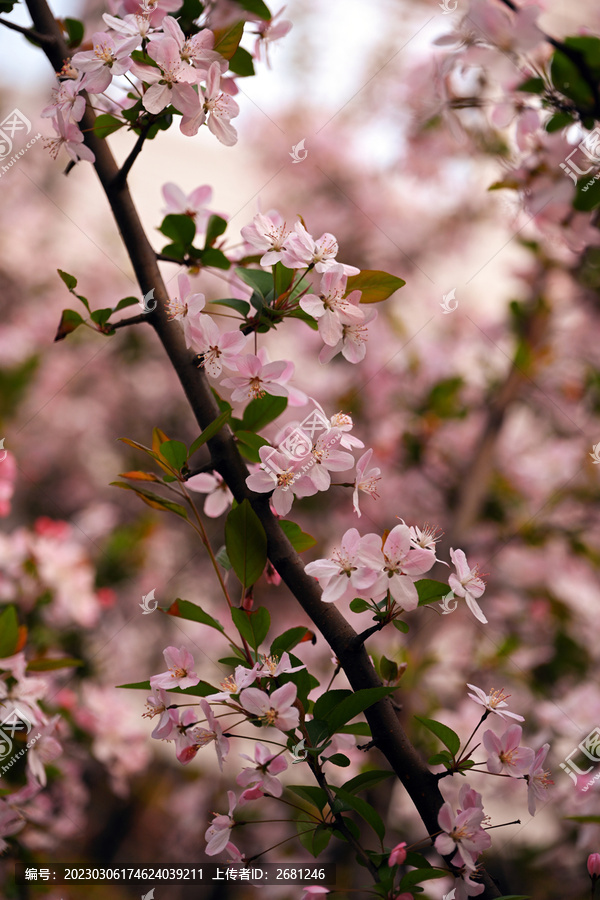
196	50
506	754
467	583
192	204
593	865
350	572
217	348
199	737
276	709
325	458
219	496
301	250
157	704
186	308
217	834
130	25
11	821
462	832
353	342
267	766
45	750
110	56
68	99
180	663
272	667
495	702
258	377
366	480
267	232
153	10
282	475
219	106
267	32
465	887
538	780
331	308
171	82
22	698
400	561
70	137
233	684
398	854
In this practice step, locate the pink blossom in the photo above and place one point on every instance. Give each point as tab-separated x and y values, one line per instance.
8	476
267	766
462	832
68	99
268	32
331	308
217	348
398	854
220	108
495	702
11	821
192	205
233	684
277	709
469	798
400	562
267	233
538	780
70	137
353	343
179	673
349	572
465	887
467	583
153	10
199	737
196	50
130	25
258	377
157	704
282	475
366	480
272	666
110	56
325	458
186	308
506	754
219	496
171	83
45	750
217	834
301	250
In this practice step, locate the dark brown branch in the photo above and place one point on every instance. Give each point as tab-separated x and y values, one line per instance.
125	169
388	734
34	36
134	320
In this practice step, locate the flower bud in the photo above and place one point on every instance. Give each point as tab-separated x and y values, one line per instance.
593	865
398	855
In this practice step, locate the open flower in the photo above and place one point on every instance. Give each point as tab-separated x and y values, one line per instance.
171	83
272	666
218	833
282	475
301	250
233	684
110	56
70	137
331	308
494	702
267	766
180	672
349	572
186	308
219	497
198	736
258	377
538	781
217	348
366	480
399	562
506	754
216	108
467	583
192	205
157	704
353	342
462	832
268	233
276	709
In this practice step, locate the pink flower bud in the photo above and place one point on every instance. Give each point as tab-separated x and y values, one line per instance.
398	855
593	865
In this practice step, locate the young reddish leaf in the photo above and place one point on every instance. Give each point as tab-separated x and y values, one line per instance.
183	609
70	320
375	285
227	39
153	500
139	476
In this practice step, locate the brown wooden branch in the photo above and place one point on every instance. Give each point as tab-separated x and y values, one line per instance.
388	735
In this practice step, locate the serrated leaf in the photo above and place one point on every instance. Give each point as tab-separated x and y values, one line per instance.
152	500
9	632
175	452
210	431
106	124
357	703
448	737
299	539
70	320
48	665
253	626
262	411
374	285
184	609
246	543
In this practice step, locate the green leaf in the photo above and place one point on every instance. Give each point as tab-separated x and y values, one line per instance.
367	780
364	809
213	257
215	228
567	79
246	543
75	31
180	229
106	124
184	609
227	39
558	121
175	452
210	431
223	559
69	280
287	641
9	632
318	732
260	412
257	7
241	63
258	279
6	6
587	193
249	444
338	759
430	590
70	320
401	626
328	702
240	306
316	796
441	731
374	285
532	86
416	876
48	665
299	539
388	669
101	316
440	759
152	500
202	689
358	605
126	301
355	704
357	728
253	626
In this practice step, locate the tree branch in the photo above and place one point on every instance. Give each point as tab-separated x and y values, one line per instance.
34	36
388	734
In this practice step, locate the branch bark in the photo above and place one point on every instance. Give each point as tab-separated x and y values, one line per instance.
388	735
